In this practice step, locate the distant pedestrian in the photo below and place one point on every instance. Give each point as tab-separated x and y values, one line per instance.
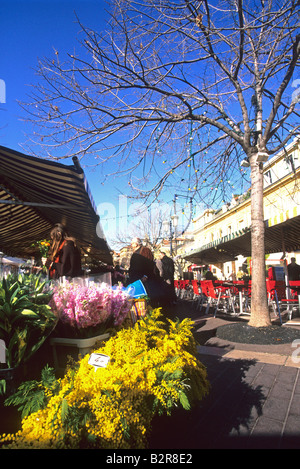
166	270
142	267
208	274
293	270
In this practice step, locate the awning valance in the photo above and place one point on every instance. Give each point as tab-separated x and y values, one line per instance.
280	237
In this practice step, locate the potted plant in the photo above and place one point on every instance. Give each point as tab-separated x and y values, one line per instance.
85	314
26	320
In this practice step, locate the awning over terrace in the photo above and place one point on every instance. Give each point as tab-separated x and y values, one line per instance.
35	194
280	236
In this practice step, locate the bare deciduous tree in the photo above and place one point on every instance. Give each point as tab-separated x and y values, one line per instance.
185	87
146	225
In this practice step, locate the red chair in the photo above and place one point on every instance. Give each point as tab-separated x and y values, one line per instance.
214	297
242	292
206	295
184	288
197	293
277	297
296	290
247	295
270	284
294	295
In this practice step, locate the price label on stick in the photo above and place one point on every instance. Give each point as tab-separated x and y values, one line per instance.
98	360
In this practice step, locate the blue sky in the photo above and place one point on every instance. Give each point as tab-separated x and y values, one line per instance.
32	29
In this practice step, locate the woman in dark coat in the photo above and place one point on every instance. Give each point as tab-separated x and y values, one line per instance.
141	263
142	267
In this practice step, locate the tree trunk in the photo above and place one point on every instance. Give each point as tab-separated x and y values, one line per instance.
260	315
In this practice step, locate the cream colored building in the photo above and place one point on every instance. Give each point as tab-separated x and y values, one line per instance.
222	238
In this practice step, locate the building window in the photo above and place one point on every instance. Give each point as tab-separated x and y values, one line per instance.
268	177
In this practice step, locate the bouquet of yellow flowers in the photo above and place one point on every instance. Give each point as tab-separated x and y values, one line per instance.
44	246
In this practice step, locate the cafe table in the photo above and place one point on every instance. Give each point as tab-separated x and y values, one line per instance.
240	287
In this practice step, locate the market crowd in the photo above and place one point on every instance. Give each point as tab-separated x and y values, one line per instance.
64	260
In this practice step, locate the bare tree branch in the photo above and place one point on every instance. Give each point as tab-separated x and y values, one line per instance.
175	94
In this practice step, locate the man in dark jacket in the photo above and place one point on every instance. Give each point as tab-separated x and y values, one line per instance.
166	269
293	270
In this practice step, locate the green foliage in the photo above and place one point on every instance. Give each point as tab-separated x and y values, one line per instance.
25	317
32	396
177	381
152	371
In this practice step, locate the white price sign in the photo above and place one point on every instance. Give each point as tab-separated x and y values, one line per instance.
98	360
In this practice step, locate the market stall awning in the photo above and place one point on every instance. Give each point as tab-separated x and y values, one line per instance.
209	255
279	237
35	194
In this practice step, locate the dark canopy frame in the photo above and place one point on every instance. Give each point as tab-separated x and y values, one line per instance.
35	194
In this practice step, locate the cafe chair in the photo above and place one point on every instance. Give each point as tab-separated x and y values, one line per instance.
218	298
277	298
197	293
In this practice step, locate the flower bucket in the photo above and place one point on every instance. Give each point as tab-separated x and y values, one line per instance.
63	348
136	289
140	308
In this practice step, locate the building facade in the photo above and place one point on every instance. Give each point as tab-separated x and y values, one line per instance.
222	238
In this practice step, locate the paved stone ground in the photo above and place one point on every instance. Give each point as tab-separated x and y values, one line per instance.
254	401
251	405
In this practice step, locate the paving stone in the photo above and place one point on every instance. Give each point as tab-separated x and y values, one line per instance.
295	406
254	400
267	426
276	408
282	392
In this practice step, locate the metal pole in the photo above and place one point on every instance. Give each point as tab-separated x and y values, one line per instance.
1	265
171	237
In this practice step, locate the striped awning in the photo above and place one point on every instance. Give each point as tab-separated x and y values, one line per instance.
35	194
279	237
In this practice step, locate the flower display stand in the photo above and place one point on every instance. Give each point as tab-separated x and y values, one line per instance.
63	348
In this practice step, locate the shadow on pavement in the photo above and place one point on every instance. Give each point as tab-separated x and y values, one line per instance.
224	417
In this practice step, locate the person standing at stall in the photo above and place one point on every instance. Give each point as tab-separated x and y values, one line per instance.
142	267
65	258
166	270
141	262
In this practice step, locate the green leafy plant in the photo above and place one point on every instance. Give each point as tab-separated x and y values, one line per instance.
32	396
176	380
25	317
